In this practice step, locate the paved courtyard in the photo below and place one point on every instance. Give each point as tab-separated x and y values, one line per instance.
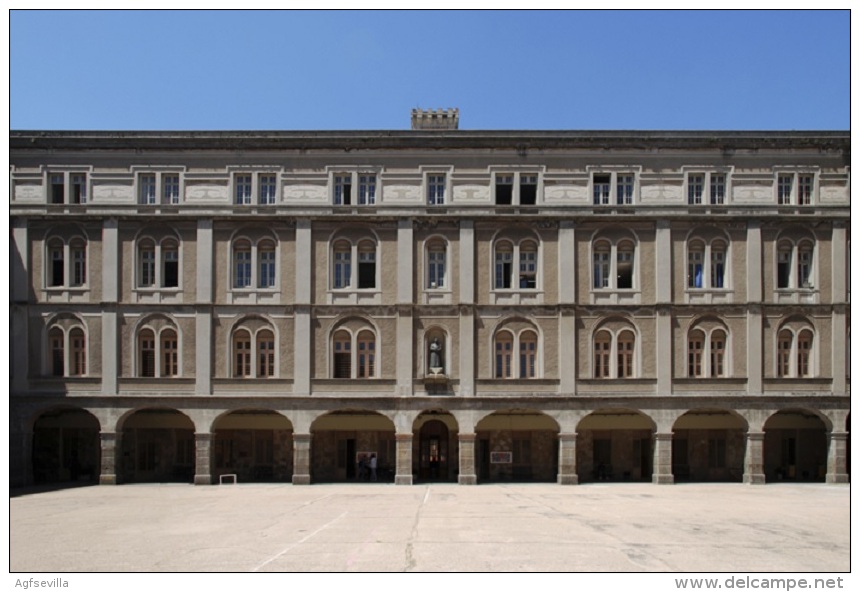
533	527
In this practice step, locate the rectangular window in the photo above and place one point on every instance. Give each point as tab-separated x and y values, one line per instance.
243	357
242	272
718	268
58	189
504	190
436	190
625	359
436	269
342	190
268	189
342	359
266	354
601	270
602	185
528	190
170	189
528	270
79	189
694	358
366	358
342	269
601	359
718	356
243	189
804	348
58	267
147	267
57	361
783	189
625	270
170	364
79	266
783	362
503	359
170	272
366	190
147	358
718	189
504	269
79	355
695	269
147	189
528	358
625	190
267	269
366	269
804	269
804	189
783	269
695	189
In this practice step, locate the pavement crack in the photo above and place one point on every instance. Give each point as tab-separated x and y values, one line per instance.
411	563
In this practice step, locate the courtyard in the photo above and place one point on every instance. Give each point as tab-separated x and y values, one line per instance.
629	527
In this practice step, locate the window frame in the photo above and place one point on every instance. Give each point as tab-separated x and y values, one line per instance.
252	185
249	253
348	269
364	361
72	254
793	359
796	178
610	283
708	350
611	182
70	178
611	361
160	250
167	185
253	361
517	180
514	255
797	256
712	194
510	361
711	249
62	347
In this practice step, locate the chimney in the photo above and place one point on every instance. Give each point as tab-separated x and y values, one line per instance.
435	119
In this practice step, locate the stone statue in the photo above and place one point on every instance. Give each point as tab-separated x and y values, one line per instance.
436	356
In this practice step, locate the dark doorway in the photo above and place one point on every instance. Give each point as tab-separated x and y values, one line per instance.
483	459
433	458
350	458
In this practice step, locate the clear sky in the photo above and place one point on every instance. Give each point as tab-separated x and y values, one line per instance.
290	70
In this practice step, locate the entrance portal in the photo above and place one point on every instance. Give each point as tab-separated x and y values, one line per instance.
433	455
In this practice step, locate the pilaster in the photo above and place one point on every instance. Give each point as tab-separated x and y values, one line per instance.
754	459
204	452
204	260
467	262
467	352
567	459
567	352
109	442
837	457
405	262
662	473
304	262
663	257
301	459
404	353
403	476
302	351
110	352
110	260
203	360
566	262
664	350
755	371
467	474
839	351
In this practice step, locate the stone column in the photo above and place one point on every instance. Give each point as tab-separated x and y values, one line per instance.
567	459
664	352
467	474
203	458
404	459
754	459
837	457
404	351
203	322
20	459
301	459
109	446
662	473
755	293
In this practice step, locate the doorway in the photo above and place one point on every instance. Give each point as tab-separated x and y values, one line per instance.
433	456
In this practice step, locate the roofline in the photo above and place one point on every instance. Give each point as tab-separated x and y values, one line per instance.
435	139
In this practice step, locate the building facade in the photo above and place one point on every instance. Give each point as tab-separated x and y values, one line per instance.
467	306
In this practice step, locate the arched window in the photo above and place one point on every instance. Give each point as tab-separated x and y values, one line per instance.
706	350
242	353
170	264
78	344
169	353
342	272
146	345
795	351
366	265
516	353
347	275
354	354
706	261
614	349
67	262
516	265
158	263
66	348
613	263
56	340
795	264
254	264
266	264
242	264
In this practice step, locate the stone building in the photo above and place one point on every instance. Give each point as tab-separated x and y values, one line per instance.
468	306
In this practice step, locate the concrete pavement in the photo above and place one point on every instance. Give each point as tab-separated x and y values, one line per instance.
440	527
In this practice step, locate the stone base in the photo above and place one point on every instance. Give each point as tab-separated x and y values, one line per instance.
754	478
837	478
467	479
403	480
107	479
301	479
202	479
568	480
663	479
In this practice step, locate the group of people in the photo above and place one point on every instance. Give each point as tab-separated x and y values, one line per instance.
367	467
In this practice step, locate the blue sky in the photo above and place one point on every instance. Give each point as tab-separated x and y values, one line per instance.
290	70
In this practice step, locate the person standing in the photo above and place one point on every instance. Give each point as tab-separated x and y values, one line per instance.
373	467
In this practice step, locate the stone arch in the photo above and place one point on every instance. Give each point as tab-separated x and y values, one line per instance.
341	438
795	445
516	445
66	446
615	444
709	444
157	445
255	444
